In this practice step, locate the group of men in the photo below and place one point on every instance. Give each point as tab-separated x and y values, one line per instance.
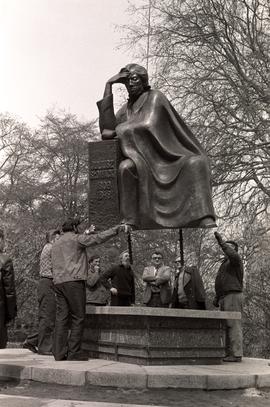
62	289
65	278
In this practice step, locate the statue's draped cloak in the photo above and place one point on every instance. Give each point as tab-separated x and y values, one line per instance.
173	172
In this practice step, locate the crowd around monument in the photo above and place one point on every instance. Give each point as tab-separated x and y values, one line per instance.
164	182
69	281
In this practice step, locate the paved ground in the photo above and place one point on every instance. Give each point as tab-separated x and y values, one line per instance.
24	365
38	381
31	394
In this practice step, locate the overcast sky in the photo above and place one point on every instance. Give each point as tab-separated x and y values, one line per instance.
58	53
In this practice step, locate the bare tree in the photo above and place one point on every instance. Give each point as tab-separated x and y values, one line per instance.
211	57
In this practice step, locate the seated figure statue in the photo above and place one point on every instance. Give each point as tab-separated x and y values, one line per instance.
164	179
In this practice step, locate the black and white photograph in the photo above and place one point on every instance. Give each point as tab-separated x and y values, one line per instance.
134	203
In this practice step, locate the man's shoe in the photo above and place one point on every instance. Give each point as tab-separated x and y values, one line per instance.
78	356
232	359
29	346
45	353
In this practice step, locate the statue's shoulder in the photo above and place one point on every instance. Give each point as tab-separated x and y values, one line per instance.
121	114
157	96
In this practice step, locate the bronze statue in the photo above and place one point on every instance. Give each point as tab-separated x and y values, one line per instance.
164	180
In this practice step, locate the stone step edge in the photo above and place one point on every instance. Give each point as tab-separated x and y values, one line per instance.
133	380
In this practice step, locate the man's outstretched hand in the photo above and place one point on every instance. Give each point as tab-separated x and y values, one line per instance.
218	236
124	227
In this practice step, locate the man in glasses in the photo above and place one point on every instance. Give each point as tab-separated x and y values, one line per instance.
157	277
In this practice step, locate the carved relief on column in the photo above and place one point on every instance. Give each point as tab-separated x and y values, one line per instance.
104	159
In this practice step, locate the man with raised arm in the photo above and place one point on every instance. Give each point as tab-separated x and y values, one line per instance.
229	296
69	261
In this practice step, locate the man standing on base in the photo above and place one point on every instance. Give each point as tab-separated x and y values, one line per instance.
157	277
41	341
122	282
188	288
229	296
69	261
8	307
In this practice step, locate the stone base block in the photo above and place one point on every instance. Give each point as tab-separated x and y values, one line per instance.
148	336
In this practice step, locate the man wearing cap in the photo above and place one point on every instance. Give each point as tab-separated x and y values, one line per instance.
122	282
8	306
69	260
157	277
229	296
188	289
41	341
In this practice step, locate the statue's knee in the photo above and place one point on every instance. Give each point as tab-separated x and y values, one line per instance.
198	162
127	166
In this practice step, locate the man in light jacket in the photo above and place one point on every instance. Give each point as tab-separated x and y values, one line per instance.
69	261
157	278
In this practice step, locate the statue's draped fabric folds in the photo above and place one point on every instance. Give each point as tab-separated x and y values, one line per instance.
169	185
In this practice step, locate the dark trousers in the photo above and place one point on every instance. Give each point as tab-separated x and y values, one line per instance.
155	301
182	305
3	330
120	300
43	339
70	314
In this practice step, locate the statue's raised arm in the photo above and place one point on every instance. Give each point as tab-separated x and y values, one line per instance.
164	180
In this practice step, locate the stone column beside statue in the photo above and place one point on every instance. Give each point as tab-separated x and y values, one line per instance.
103	200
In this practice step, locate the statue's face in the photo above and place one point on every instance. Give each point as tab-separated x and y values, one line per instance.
134	85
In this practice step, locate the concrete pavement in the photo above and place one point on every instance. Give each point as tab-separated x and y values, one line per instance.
17	401
22	364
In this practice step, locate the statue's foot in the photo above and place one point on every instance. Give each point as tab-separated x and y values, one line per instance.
128	222
207	223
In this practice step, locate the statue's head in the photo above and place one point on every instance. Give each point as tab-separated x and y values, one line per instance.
137	81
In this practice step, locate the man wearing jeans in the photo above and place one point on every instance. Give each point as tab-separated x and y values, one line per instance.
41	341
69	260
229	296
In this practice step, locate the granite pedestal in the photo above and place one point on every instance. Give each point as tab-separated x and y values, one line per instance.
156	336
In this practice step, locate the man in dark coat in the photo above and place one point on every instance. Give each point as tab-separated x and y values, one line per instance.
164	180
8	307
122	282
188	289
229	296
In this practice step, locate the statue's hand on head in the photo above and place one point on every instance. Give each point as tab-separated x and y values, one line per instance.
120	77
